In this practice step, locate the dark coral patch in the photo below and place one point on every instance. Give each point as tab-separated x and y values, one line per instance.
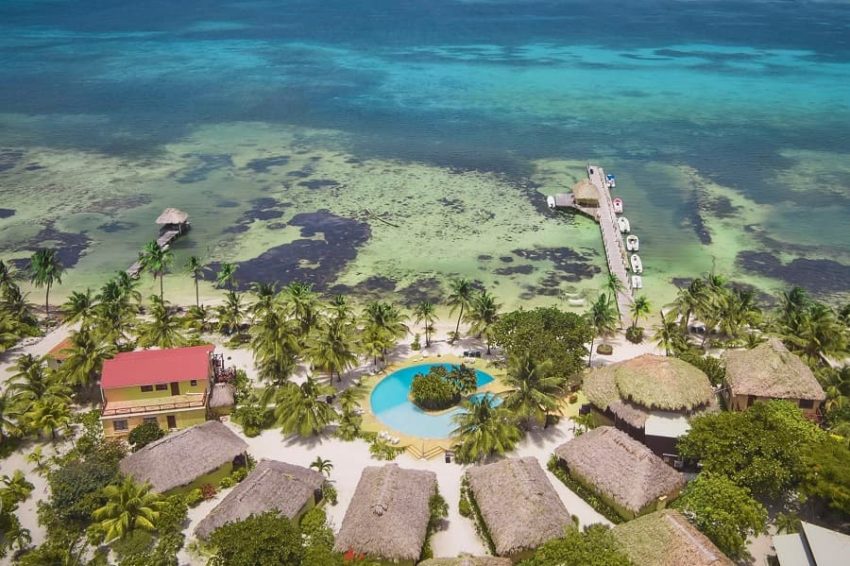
116	226
263	164
485	257
7	212
69	246
819	276
425	289
515	269
316	184
207	163
227	204
9	158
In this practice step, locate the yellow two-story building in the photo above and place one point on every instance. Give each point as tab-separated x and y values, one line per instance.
168	387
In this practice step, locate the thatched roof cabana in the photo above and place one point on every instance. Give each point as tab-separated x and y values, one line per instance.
585	192
770	370
172	216
666	538
271	486
222	396
468	561
620	468
651	382
518	504
183	456
388	514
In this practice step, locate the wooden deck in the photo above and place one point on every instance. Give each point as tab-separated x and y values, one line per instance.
612	239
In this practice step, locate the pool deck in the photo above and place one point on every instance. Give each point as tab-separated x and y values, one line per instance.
427	448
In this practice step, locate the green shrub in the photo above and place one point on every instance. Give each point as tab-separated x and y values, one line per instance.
579	489
380	449
480	525
194	497
329	493
433	391
239	474
144	434
226	482
605	349
713	367
417	344
634	334
463	507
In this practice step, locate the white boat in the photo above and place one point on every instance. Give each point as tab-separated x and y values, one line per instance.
632	243
618	205
611	181
550	201
637	266
637	282
624	225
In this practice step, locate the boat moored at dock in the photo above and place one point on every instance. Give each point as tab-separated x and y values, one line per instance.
632	243
637	265
550	201
611	181
623	224
637	282
618	205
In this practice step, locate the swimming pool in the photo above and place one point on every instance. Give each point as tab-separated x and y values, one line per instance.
391	405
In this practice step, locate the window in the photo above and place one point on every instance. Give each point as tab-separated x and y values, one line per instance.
193	383
750	400
161	386
806	403
120	425
153	420
146	388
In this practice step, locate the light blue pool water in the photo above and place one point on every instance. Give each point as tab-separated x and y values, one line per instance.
391	405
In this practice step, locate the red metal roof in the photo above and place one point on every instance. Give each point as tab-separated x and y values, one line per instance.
149	367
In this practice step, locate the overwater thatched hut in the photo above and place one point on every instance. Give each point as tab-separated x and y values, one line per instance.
624	472
585	193
518	505
770	371
271	486
468	561
666	538
185	457
651	398
388	514
173	219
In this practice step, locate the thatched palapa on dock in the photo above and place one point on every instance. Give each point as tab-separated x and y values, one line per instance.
518	503
586	193
181	457
770	370
389	513
620	468
271	486
172	216
666	538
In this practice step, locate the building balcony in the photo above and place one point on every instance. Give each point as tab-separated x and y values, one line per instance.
154	406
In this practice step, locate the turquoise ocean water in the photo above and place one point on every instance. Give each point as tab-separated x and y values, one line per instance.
282	126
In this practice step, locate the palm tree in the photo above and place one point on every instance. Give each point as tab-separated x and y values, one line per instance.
163	330
383	326
602	318
303	305
116	311
48	414
80	307
614	286
639	308
84	362
483	314
322	466
425	312
340	310
226	275
128	287
129	506
331	350
196	269
818	333
267	299
669	335
231	314
16	486
156	260
302	409
483	430
534	390
198	318
690	301
8	417
45	270
31	382
459	298
275	346
7	277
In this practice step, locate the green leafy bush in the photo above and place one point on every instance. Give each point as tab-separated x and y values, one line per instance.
605	349
634	334
417	344
194	497
226	482
329	493
433	391
239	474
713	367
463	507
144	434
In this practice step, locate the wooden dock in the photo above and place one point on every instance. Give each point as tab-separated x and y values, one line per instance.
174	224
612	239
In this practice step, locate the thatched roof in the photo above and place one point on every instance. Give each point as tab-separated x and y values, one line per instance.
468	561
770	370
620	467
630	413
388	514
223	395
585	190
652	382
271	486
172	216
518	504
666	538
181	457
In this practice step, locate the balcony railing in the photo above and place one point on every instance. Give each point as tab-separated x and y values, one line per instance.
113	409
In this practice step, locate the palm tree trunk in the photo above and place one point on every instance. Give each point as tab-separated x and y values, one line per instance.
197	296
590	357
457	328
161	289
47	301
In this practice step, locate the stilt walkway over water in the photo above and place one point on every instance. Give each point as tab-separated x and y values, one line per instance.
174	224
612	238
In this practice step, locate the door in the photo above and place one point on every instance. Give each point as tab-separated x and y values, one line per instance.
172	421
175	388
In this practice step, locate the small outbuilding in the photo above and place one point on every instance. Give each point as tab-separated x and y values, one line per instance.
518	505
222	398
812	546
59	353
388	516
621	470
586	194
173	219
190	457
770	371
666	538
271	486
